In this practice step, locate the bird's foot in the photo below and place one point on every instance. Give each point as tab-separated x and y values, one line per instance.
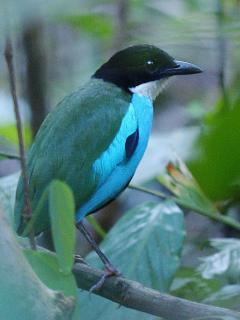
110	271
79	259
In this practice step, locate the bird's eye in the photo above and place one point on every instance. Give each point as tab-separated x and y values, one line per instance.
151	66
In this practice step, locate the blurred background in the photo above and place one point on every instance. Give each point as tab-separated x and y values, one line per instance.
58	45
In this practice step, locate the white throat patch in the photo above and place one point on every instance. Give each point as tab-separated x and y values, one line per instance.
151	89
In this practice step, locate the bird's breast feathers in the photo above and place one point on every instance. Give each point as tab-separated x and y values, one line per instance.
118	163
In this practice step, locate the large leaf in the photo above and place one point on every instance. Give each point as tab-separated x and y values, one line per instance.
225	263
215	160
62	213
45	265
22	294
145	245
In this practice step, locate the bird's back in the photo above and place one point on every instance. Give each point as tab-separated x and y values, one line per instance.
72	137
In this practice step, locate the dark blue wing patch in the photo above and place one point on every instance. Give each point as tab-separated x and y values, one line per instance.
131	144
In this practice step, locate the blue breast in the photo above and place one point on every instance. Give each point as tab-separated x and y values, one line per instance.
115	168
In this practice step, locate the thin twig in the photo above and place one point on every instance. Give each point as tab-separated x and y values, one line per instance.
214	216
12	81
149	191
133	295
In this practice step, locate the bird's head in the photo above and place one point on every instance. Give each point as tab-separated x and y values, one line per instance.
143	69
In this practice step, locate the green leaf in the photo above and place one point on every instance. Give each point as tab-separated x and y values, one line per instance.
22	294
187	193
62	213
224	264
215	160
227	297
145	245
179	180
45	265
190	285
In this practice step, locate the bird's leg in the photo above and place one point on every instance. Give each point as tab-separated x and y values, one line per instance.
95	247
110	270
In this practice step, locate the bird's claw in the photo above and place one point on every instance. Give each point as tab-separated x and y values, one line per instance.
109	271
79	259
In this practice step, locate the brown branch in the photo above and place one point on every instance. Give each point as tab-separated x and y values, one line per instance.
133	295
8	53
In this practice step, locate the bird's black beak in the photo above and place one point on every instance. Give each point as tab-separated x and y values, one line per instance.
186	68
182	68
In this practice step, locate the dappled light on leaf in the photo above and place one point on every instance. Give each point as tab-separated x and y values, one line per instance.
149	238
225	263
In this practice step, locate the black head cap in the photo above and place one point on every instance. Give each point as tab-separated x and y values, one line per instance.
140	64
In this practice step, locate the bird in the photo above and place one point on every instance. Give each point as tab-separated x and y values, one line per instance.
94	139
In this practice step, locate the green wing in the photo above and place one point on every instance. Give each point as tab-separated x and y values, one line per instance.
70	139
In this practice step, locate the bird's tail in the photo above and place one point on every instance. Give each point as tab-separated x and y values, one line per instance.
40	219
19	207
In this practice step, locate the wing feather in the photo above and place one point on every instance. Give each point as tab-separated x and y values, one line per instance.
71	139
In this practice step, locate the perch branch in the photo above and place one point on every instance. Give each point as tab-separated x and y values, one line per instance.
133	295
12	81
